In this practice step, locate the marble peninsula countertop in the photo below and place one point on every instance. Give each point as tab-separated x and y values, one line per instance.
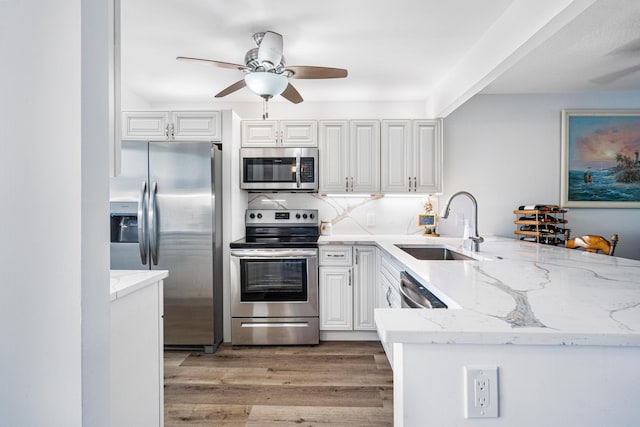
515	292
124	282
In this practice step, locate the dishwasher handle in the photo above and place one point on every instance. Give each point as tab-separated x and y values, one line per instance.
415	295
407	300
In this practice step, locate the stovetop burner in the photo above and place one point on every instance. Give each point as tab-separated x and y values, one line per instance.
280	228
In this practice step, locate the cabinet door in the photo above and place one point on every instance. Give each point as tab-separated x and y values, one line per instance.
336	299
334	156
364	288
427	155
364	156
259	133
396	156
299	133
196	125
384	292
145	125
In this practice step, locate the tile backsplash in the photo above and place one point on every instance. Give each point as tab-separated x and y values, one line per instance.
353	215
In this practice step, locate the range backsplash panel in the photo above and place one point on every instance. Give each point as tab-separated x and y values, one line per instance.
353	215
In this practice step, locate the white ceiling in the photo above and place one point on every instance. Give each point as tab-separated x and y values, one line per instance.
437	51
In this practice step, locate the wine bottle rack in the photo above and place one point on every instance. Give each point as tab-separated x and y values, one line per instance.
545	224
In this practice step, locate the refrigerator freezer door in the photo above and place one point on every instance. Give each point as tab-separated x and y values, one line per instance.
127	199
184	218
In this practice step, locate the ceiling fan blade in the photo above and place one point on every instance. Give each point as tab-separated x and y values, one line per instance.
611	77
211	62
309	72
234	87
270	49
291	94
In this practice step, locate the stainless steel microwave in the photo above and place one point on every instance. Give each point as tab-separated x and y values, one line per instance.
279	169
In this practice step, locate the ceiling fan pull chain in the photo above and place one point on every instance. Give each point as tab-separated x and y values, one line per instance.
265	110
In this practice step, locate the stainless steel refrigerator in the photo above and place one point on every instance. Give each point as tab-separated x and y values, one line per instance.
166	214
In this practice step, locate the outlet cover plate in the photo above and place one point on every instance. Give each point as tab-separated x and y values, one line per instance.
481	392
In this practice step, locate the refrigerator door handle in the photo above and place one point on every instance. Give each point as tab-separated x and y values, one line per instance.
153	225
142	223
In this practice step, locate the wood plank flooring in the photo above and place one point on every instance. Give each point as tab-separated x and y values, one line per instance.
332	384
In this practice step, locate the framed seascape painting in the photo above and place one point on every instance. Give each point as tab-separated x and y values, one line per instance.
600	164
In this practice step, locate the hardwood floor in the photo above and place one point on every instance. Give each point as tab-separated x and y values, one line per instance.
332	384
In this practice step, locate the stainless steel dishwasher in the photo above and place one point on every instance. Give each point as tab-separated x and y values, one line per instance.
414	295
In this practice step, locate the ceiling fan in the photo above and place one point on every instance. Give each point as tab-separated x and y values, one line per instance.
630	50
267	75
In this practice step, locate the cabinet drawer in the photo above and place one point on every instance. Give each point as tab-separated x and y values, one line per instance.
335	255
391	270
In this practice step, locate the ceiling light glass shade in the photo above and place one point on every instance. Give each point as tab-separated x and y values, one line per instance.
267	85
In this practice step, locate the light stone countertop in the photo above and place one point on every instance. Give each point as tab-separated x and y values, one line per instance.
516	293
124	282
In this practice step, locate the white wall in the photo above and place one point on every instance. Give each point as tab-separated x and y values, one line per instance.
53	252
505	150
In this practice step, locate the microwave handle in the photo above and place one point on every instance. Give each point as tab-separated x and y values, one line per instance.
298	181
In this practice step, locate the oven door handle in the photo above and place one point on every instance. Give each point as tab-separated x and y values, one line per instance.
253	253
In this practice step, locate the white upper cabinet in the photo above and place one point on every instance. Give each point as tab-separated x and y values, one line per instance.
411	156
334	156
365	156
396	156
145	125
349	156
285	133
196	125
171	125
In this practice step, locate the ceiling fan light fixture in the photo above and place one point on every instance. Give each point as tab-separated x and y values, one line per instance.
265	84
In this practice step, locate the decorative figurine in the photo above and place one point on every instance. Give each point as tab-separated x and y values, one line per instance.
428	220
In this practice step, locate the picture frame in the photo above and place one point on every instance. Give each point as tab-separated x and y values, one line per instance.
600	164
427	220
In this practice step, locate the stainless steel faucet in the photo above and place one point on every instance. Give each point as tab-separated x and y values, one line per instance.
475	239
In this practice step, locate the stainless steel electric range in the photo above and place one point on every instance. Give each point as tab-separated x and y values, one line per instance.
274	279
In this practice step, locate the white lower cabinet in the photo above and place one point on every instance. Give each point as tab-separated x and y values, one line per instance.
347	290
388	295
364	289
137	380
336	298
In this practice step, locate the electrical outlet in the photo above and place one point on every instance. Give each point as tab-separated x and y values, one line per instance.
371	220
481	391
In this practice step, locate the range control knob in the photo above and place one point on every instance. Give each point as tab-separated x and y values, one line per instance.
311	216
304	216
297	216
259	215
252	216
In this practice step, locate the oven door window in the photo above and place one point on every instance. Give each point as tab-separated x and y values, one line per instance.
266	169
273	280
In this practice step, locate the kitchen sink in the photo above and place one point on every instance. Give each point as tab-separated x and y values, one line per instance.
434	253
